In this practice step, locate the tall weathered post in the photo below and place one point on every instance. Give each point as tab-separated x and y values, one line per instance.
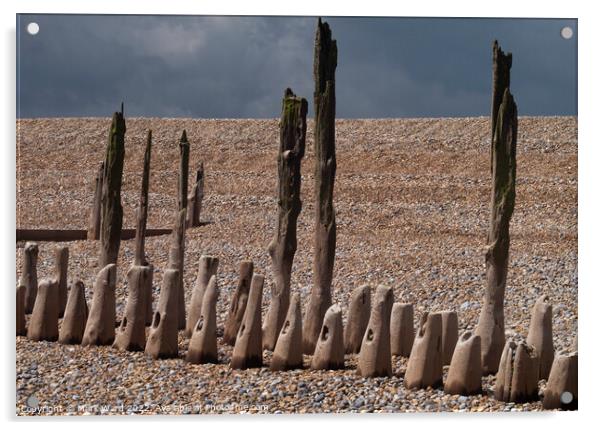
195	199
95	213
283	246
142	212
111	210
139	309
503	171
325	63
176	251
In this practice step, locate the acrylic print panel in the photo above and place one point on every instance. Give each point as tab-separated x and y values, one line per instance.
285	214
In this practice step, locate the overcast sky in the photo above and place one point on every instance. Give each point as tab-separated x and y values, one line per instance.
238	67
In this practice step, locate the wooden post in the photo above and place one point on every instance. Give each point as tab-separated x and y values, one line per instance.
503	170
112	212
142	212
95	213
282	249
176	252
195	199
325	62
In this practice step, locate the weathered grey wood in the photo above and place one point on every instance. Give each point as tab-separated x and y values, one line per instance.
502	63
76	315
162	339
358	316
503	170
142	211
330	346
562	388
207	269
203	342
325	62
44	322
517	378
464	375
541	335
176	252
93	232
100	325
195	199
29	275
61	258
288	353
111	210
425	365
247	351
131	334
375	353
283	246
238	304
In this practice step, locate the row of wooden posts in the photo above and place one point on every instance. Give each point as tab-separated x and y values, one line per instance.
107	213
106	224
375	330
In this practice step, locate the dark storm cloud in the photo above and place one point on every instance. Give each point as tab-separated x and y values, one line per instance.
229	67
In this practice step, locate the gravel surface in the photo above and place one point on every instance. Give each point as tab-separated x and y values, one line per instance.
411	199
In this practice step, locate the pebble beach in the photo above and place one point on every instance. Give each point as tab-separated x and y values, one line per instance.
412	212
